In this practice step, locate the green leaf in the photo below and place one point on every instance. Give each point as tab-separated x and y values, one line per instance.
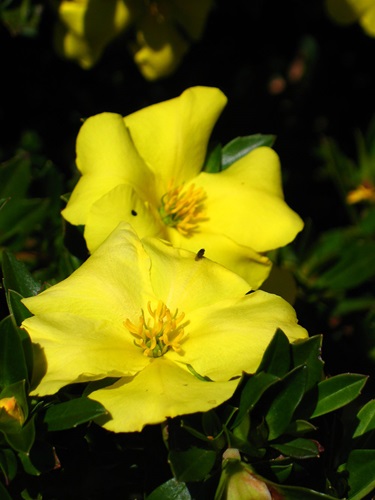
285	401
12	359
8	464
72	413
251	393
299	427
17	277
276	359
15	177
338	391
298	493
241	146
300	448
170	490
212	164
364	434
195	464
23	440
308	352
361	470
4	495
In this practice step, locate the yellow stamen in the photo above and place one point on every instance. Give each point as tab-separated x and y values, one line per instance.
183	209
162	330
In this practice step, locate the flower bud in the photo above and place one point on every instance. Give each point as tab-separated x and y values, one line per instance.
10	409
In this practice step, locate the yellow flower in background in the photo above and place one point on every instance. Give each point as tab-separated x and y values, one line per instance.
86	27
145	169
164	30
153	316
350	11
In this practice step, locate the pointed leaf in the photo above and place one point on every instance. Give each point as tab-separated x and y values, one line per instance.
364	434
72	413
338	391
170	490
361	470
285	401
298	448
212	164
12	360
17	277
276	359
308	352
192	465
241	146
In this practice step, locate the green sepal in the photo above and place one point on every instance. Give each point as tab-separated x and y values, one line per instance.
22	440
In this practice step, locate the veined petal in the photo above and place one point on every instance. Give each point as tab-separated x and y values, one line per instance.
245	202
80	349
113	284
161	390
172	136
227	338
246	262
121	204
185	282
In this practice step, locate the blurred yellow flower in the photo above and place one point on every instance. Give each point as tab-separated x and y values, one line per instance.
145	169
161	322
164	30
350	11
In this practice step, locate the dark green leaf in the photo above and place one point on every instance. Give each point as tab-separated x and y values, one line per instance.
308	352
285	401
4	495
170	490
23	440
361	470
282	472
297	493
276	359
8	464
194	464
19	311
299	427
251	393
72	413
364	434
241	146
338	391
298	448
212	164
15	177
17	277
12	359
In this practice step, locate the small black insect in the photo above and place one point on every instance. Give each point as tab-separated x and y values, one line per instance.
133	212
200	254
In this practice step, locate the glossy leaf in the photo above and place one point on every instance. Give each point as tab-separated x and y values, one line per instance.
17	277
12	359
212	164
300	448
361	470
241	146
276	359
364	434
170	490
308	352
285	401
72	413
299	428
192	465
338	391
252	391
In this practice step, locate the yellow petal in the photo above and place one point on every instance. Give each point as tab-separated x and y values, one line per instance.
347	11
161	390
106	157
183	282
121	204
231	336
160	48
112	284
245	202
246	262
367	21
81	349
172	136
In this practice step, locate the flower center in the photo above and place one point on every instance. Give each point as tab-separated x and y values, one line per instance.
183	209
160	332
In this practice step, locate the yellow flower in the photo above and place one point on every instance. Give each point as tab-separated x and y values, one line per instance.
350	11
86	27
10	410
144	311
164	30
145	169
